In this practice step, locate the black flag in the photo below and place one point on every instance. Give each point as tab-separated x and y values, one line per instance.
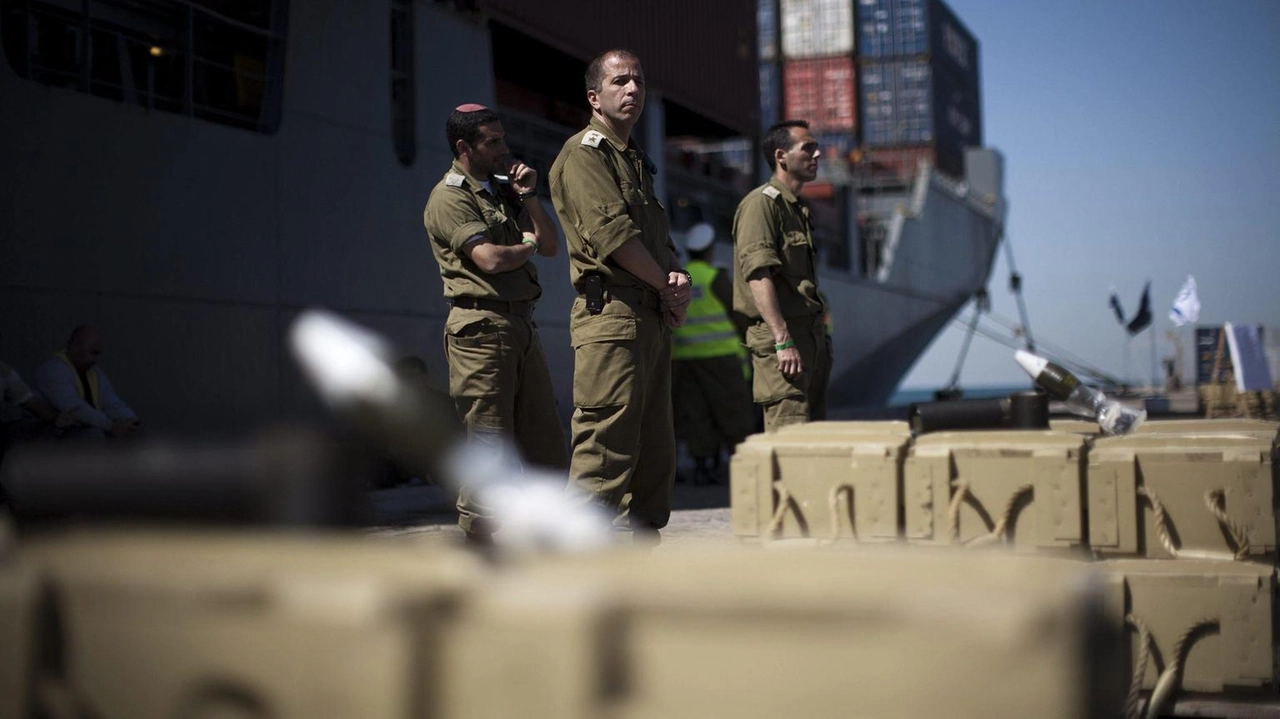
1143	318
1115	306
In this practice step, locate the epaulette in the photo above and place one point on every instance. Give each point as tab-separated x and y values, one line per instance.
592	138
453	179
770	192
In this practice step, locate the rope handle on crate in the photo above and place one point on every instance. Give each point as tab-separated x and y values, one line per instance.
1133	701
833	506
1238	534
784	501
1171	678
1000	532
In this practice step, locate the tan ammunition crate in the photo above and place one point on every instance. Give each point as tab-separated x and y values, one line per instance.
153	626
846	427
984	487
1166	496
1249	427
818	485
812	634
1216	617
19	593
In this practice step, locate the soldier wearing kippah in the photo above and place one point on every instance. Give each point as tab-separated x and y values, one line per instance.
484	234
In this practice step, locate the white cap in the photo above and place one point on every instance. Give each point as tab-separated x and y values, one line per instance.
1031	364
699	237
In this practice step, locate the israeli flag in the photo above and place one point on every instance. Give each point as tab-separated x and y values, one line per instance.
1186	306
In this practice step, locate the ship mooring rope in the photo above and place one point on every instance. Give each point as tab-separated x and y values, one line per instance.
833	506
1133	702
1171	678
1238	533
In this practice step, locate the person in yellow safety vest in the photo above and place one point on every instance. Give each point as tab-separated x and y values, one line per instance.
710	394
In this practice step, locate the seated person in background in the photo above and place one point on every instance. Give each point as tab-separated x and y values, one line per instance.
72	380
23	415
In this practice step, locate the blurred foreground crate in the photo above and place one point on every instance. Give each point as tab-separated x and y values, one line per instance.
1188	495
1213	621
150	626
1017	486
822	482
160	625
790	632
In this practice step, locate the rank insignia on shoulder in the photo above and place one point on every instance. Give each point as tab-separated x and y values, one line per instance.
771	192
453	179
592	138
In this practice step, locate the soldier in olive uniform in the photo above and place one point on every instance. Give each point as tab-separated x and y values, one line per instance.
483	236
776	285
631	292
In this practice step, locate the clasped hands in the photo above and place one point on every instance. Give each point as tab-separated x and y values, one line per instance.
675	298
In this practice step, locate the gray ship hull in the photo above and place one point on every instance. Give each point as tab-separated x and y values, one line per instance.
194	245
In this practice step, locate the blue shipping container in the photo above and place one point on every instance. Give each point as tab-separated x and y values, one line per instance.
767	26
770	96
904	28
913	102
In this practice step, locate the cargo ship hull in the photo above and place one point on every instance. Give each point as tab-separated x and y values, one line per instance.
193	244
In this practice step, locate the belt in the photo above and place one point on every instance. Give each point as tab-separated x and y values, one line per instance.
520	308
635	296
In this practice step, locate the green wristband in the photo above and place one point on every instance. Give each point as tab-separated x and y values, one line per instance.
785	345
529	241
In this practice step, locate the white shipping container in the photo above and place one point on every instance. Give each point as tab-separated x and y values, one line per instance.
817	28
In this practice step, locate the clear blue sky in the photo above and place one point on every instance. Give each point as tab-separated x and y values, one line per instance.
1141	141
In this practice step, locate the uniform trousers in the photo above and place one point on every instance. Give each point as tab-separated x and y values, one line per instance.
624	451
803	397
501	386
712	403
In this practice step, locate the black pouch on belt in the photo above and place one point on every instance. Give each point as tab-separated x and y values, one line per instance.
593	291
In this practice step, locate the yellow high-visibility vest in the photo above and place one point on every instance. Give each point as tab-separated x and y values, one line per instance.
707	331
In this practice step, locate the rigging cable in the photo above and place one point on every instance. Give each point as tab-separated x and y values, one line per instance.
1015	286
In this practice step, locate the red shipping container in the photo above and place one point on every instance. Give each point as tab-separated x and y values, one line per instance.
903	162
822	91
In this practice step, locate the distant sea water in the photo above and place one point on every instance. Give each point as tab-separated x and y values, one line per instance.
904	397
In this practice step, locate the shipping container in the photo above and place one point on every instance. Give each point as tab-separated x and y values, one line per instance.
833	163
911	102
902	163
767	28
817	28
906	28
770	104
706	72
822	91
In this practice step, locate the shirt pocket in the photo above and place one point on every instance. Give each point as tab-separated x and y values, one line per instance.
633	195
798	255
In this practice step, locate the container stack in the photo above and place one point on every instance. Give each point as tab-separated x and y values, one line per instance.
770	77
820	77
897	79
920	98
